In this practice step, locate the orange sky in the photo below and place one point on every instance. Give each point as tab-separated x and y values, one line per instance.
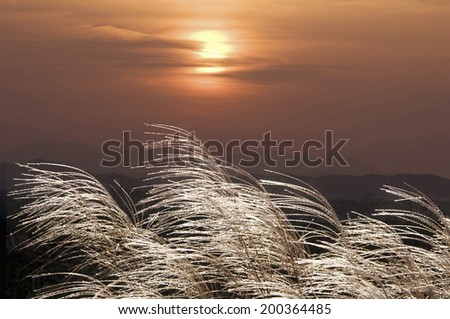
376	72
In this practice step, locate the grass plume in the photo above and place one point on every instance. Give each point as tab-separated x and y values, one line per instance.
209	230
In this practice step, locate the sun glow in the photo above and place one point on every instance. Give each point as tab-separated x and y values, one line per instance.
214	47
210	69
215	44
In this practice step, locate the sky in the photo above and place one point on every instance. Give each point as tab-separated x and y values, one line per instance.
374	72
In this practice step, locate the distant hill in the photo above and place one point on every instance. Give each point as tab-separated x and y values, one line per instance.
348	184
368	186
70	153
9	172
356	167
89	158
331	186
345	193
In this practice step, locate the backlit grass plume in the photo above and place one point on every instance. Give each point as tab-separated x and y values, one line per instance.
209	230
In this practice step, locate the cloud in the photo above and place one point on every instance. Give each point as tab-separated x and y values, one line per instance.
275	73
120	34
116	33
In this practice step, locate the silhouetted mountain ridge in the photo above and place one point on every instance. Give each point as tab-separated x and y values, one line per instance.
331	186
368	186
70	153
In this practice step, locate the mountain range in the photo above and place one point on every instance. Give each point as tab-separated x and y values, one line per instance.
333	184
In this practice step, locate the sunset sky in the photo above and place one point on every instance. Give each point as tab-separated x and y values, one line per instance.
376	72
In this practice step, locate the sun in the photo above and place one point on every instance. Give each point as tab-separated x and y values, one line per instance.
215	44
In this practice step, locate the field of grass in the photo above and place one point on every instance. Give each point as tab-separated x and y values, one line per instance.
209	230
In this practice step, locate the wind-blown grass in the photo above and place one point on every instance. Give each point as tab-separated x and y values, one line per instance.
209	230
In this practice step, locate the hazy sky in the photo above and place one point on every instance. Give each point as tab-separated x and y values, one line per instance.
376	72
